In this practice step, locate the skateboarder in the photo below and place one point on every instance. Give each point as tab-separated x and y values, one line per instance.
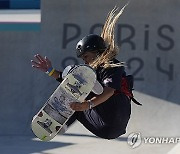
105	115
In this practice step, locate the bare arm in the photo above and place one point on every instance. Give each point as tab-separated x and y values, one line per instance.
107	93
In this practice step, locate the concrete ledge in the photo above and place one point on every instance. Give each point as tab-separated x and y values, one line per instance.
20	16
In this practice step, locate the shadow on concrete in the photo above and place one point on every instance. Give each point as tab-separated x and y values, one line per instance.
27	145
30	145
122	139
79	135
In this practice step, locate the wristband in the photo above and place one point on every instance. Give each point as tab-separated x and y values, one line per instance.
91	104
50	71
60	79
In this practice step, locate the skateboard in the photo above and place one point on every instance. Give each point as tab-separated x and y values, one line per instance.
78	82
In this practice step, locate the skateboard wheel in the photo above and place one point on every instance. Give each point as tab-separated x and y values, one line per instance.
57	128
40	114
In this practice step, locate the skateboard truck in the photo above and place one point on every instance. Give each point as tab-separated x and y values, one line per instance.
77	85
46	125
74	89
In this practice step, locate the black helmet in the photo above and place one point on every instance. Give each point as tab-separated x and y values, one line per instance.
90	43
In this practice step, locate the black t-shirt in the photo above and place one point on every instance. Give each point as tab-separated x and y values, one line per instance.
118	106
111	77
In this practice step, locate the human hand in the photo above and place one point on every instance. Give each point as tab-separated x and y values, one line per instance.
41	63
76	106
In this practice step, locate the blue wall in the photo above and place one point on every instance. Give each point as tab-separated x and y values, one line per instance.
19	4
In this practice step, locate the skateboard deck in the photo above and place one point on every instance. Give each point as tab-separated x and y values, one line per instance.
79	81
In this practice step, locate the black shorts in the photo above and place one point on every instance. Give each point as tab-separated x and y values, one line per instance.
107	120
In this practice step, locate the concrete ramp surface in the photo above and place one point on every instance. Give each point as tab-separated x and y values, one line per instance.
156	118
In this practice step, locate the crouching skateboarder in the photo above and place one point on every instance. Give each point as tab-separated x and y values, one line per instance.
104	115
